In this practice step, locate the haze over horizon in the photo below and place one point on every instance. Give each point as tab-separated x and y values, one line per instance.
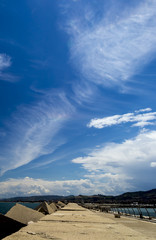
77	82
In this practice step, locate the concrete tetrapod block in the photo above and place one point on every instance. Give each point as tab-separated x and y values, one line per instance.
9	226
23	214
61	204
45	208
53	206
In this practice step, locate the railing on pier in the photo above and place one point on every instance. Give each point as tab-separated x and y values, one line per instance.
139	212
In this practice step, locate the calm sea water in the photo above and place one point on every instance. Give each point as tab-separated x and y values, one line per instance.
5	206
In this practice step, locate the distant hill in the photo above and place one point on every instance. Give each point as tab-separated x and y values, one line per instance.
140	194
33	198
144	197
140	197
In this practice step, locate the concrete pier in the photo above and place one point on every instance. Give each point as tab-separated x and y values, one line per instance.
76	223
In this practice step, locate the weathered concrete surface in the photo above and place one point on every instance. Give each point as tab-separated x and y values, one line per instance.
23	214
45	208
61	204
8	226
53	206
75	222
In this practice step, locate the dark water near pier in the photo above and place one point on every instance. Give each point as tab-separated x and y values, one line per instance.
5	206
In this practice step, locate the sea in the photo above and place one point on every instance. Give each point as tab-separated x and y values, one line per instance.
6	206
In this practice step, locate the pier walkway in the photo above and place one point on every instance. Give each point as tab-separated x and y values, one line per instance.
76	223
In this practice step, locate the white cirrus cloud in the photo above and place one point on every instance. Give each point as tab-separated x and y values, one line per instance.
5	62
33	130
140	118
132	160
109	52
144	110
83	92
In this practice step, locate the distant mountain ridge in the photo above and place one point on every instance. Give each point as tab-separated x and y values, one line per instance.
34	198
145	197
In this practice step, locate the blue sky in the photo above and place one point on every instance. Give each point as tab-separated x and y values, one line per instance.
77	83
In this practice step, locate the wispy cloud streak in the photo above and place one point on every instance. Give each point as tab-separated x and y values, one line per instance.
5	62
110	52
140	118
32	131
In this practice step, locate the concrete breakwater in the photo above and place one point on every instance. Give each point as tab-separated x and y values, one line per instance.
19	216
78	223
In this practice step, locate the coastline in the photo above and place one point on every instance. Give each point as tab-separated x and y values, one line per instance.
78	223
6	206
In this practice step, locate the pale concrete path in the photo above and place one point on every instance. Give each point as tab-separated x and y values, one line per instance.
76	223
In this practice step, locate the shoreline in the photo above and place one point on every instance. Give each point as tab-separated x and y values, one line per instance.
78	223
